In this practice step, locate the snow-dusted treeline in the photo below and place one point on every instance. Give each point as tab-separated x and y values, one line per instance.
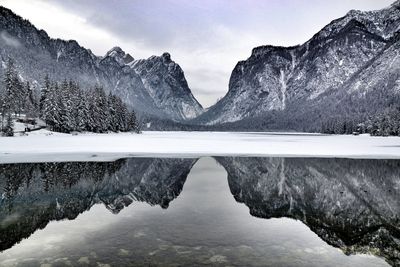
63	106
382	123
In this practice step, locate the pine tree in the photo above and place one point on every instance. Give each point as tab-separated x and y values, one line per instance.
65	108
102	105
19	95
82	117
43	94
51	110
120	113
74	93
99	110
9	127
29	101
133	125
92	123
9	85
112	120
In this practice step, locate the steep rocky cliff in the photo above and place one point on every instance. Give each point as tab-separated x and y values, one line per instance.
351	56
151	88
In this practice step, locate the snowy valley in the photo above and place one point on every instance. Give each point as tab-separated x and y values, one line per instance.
345	79
109	159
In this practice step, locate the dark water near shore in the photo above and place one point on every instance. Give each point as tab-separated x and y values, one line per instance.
196	212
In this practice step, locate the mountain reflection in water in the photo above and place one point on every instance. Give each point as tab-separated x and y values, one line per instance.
350	204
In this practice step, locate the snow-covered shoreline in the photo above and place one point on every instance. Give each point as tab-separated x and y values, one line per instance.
105	147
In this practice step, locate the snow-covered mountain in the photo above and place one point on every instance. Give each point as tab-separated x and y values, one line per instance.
164	80
355	54
349	70
351	204
154	87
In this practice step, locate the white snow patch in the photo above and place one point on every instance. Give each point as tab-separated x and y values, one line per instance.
21	77
394	60
283	88
293	59
59	53
113	54
58	206
117	84
188	111
37	147
307	48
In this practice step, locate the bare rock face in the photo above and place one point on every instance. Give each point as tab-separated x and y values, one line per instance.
336	59
166	84
36	55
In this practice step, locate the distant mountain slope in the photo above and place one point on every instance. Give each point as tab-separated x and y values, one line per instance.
36	55
351	56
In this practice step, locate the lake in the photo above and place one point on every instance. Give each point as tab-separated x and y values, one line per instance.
220	211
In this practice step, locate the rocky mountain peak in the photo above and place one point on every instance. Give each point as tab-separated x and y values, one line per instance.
384	22
116	49
396	4
265	49
119	55
166	57
164	78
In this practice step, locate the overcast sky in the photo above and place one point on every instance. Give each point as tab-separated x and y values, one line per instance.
205	37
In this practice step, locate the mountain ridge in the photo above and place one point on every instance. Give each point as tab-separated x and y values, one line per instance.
280	88
37	54
276	79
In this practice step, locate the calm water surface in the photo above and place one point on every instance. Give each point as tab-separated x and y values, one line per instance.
195	212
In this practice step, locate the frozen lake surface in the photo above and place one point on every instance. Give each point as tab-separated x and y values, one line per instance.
39	147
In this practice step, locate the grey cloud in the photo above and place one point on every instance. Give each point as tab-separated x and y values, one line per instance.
207	91
208	99
9	40
160	24
204	73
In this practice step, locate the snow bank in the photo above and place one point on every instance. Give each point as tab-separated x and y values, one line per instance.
103	147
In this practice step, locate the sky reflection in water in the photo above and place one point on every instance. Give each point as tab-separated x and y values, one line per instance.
308	202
